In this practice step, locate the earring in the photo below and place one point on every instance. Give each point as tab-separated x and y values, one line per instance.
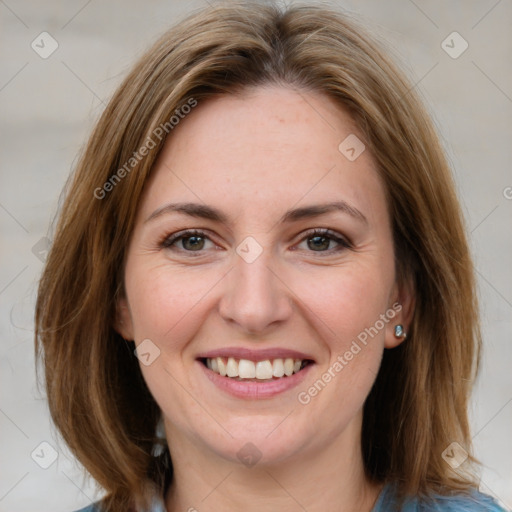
399	331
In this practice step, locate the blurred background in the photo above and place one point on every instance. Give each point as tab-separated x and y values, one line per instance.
60	63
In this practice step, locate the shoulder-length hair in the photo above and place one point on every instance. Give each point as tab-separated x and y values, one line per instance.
97	396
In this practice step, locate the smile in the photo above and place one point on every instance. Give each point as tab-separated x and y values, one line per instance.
253	376
247	370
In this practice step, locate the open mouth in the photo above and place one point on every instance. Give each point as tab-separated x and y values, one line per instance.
255	371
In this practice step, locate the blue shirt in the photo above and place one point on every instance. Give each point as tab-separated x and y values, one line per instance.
386	502
479	502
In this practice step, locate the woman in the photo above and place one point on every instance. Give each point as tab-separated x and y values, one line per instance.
260	294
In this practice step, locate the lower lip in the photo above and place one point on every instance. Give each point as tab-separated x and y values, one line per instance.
255	390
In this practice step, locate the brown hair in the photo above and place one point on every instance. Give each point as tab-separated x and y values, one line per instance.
97	396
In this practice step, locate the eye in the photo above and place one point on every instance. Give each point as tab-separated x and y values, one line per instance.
195	241
190	241
321	240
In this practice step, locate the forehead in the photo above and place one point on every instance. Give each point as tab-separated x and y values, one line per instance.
266	147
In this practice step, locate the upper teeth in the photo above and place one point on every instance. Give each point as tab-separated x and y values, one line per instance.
247	369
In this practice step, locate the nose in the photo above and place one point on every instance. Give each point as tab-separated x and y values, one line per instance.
255	299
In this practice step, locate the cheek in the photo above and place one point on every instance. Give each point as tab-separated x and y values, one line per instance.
345	311
345	300
165	305
163	300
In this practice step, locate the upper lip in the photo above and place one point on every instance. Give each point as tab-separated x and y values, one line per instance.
255	355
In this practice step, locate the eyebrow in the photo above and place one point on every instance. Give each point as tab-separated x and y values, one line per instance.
208	212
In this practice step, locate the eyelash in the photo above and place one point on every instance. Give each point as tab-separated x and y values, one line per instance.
168	241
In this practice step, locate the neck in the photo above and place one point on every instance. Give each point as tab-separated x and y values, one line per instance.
326	478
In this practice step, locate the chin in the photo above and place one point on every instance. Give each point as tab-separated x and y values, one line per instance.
262	440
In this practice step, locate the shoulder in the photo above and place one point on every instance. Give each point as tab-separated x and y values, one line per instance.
157	505
473	502
462	503
90	508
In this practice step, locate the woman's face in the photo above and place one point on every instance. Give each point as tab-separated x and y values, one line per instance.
254	286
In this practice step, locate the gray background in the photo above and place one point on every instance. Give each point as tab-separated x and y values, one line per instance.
48	107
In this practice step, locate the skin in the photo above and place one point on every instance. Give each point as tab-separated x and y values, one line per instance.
254	157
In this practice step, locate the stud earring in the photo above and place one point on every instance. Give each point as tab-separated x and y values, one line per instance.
399	331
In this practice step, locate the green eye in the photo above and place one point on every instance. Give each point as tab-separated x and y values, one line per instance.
191	241
319	240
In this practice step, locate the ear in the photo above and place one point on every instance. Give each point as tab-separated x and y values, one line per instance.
123	321
402	302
